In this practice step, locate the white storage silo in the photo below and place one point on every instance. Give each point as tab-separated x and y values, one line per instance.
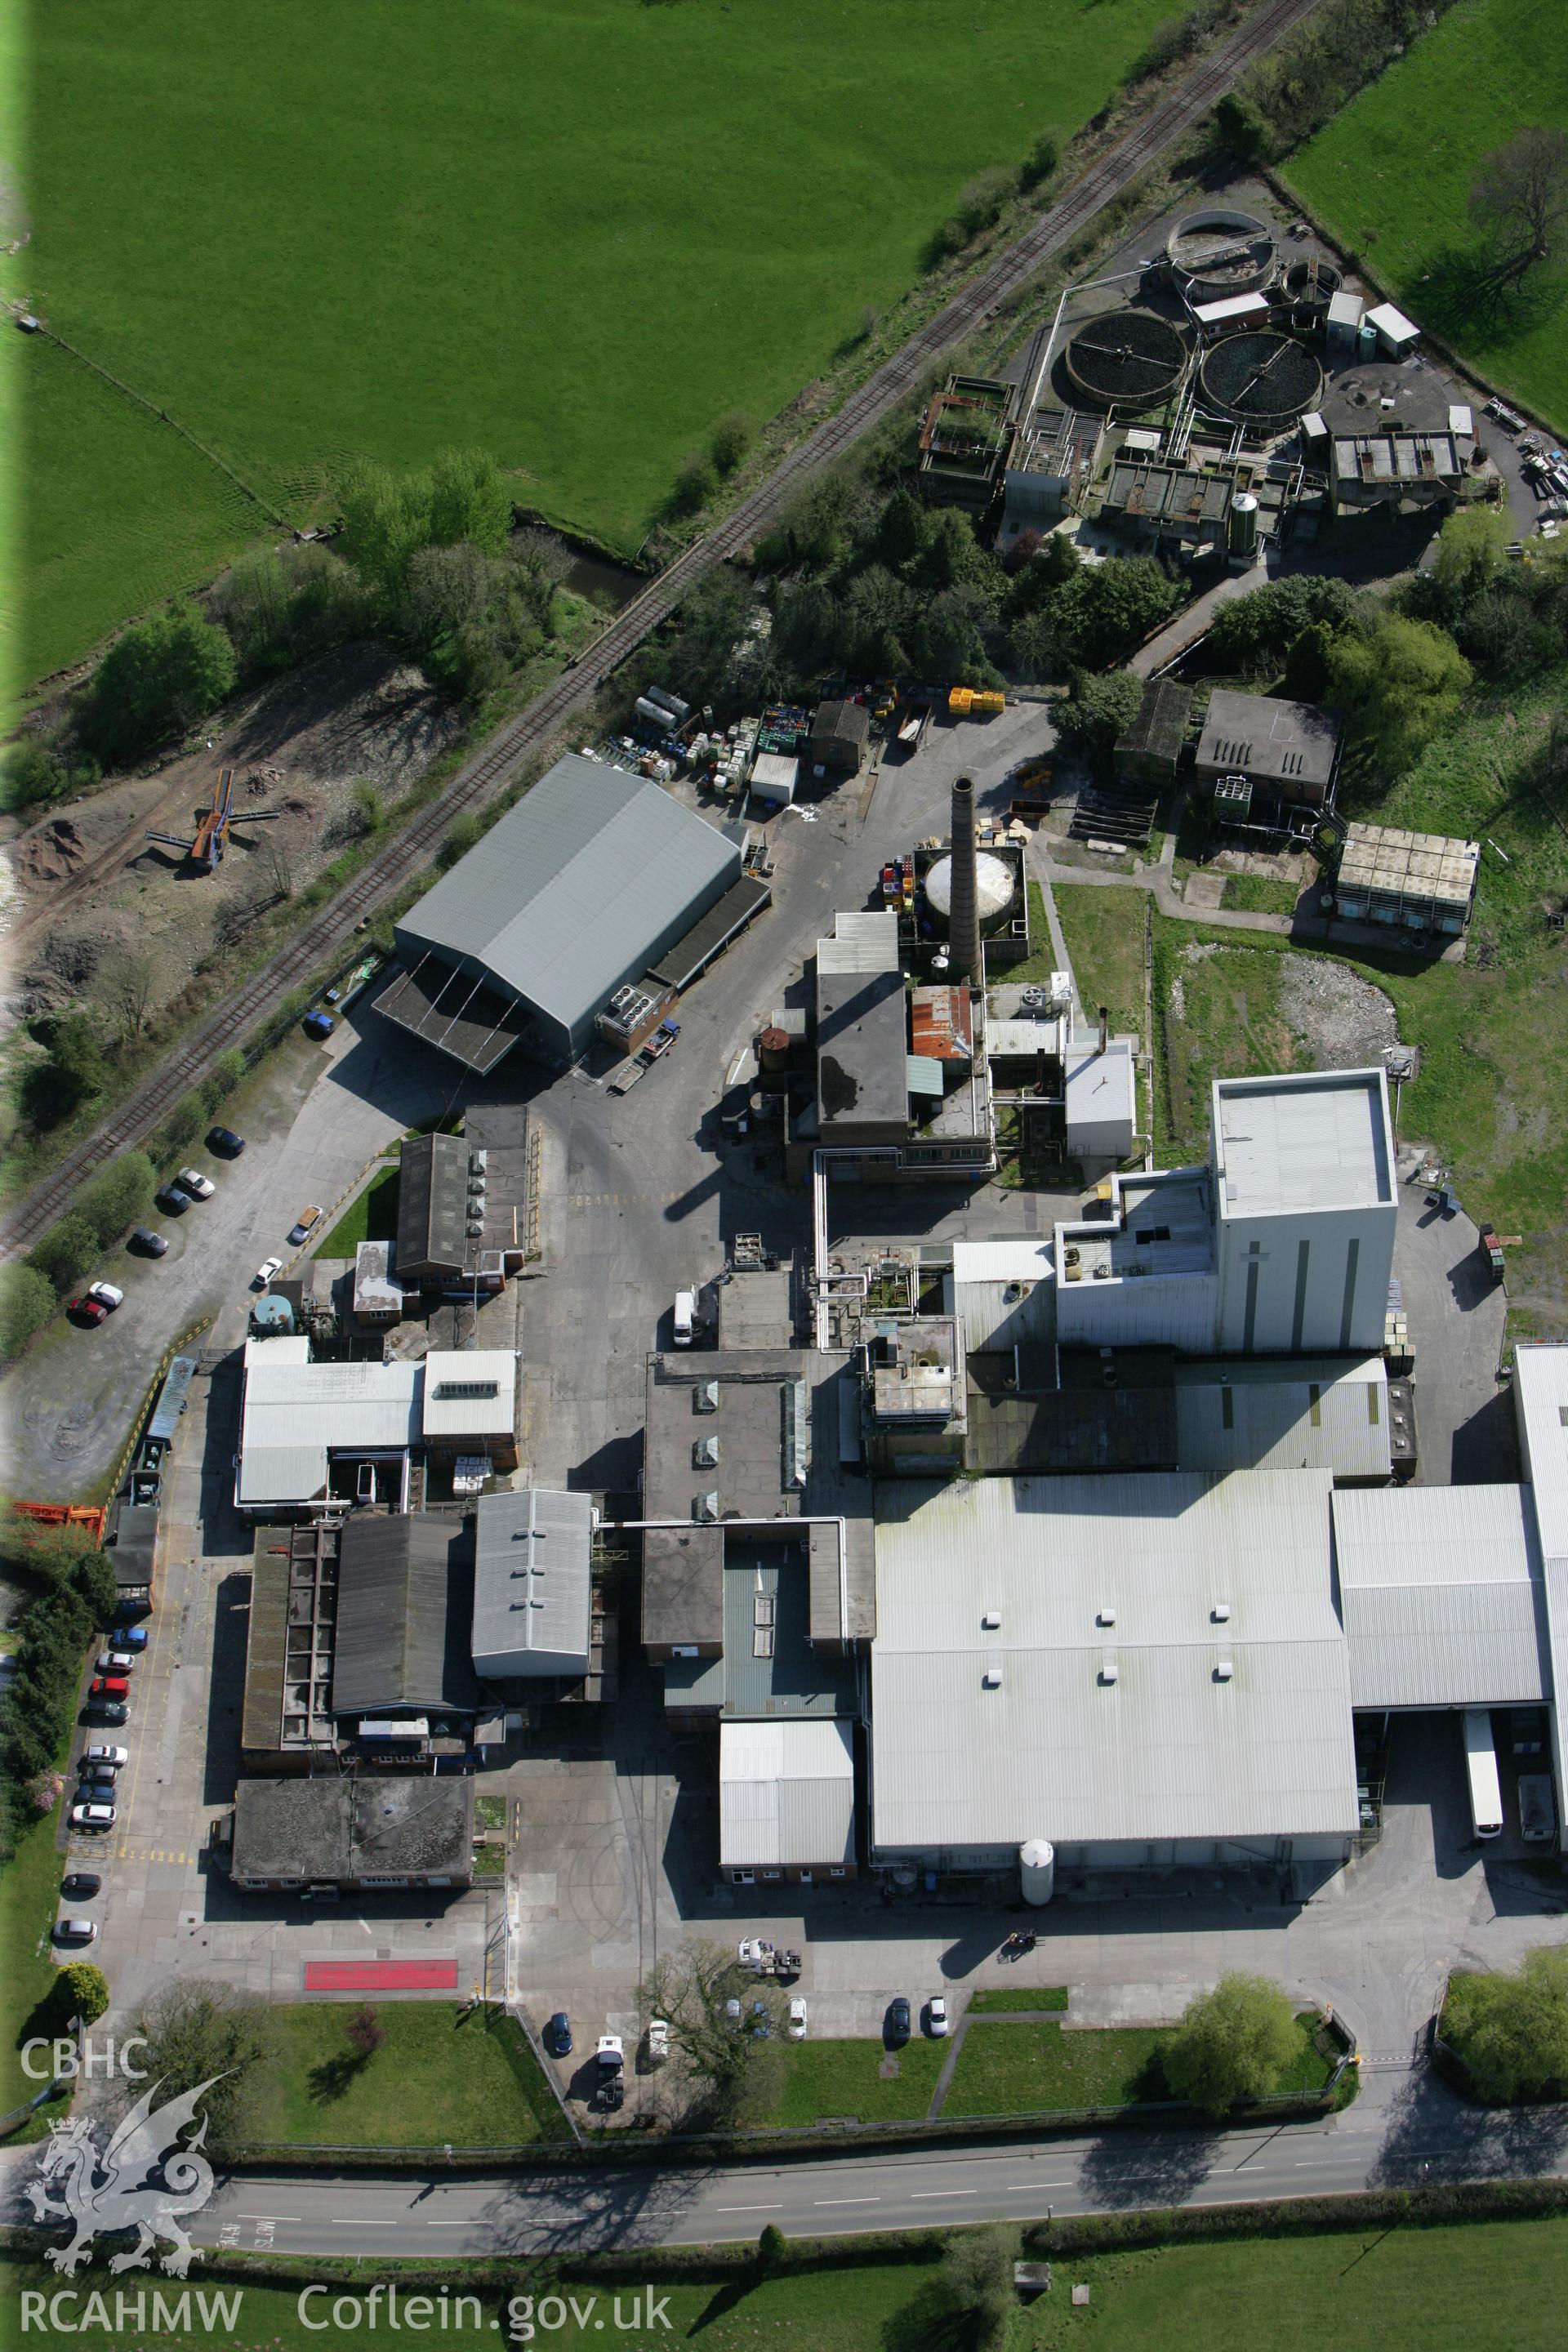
1038	1871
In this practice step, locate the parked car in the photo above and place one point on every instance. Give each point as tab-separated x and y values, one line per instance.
762	2020
936	2016
96	1793
103	1754
199	1187
223	1139
145	1243
733	2013
264	1272
612	2070
797	2018
657	2041
108	1294
110	1686
88	1310
309	1220
319	1025
110	1711
92	1816
558	2035
898	2027
79	1886
129	1637
171	1200
116	1662
75	1931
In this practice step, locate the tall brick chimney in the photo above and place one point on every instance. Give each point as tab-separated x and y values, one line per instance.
963	918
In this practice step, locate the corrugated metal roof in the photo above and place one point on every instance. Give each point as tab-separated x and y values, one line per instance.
579	883
404	1607
860	941
1319	1142
1442	1596
1541	1399
1168	1749
1268	1415
787	1794
532	1583
296	1413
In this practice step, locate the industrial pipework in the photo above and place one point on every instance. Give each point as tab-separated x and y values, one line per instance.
963	917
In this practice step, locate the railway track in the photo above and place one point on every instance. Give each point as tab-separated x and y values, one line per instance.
315	945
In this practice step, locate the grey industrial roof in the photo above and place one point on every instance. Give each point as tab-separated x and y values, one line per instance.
1168	1749
1442	1596
1303	1414
1319	1142
1419	864
1159	727
533	1582
787	1794
862	1042
405	1589
694	951
1101	1088
444	1004
296	1413
390	1826
841	722
754	1310
770	1668
172	1398
579	883
132	1542
1399	458
1261	736
376	1292
432	1203
1541	1400
469	1392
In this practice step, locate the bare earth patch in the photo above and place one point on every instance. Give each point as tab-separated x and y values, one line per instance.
1342	1020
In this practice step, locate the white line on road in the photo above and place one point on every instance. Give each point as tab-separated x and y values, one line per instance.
431	2223
339	2222
270	2217
848	2200
749	2208
943	2192
1022	2188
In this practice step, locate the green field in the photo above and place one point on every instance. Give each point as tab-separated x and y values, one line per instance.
1104	932
1485	2286
841	2079
1015	2069
572	235
1026	1997
442	2074
371	1217
29	1903
1390	177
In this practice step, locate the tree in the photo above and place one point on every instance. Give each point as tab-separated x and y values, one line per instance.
731	439
1241	131
366	2030
733	2066
386	519
1398	686
904	527
86	1990
72	1072
696	482
1255	631
1519	200
27	1303
92	1581
64	1253
198	2029
468	502
117	1195
1233	2043
1512	2028
541	564
977	2279
1471	549
772	2247
127	979
1041	161
155	682
1100	706
1106	609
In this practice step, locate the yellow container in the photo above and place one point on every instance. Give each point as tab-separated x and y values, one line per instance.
989	703
959	701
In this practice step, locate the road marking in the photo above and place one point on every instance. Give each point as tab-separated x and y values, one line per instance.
270	2217
430	2224
943	2192
749	2208
1022	2188
848	2200
340	2223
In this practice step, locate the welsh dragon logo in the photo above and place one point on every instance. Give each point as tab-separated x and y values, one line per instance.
117	2190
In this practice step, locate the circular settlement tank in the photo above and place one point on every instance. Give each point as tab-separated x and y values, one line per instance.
1264	378
993	888
1038	1871
1218	252
1312	284
772	1046
1131	356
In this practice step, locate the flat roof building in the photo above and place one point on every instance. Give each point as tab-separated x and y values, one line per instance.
582	886
839	734
1443	1596
1540	1403
1421	881
1148	1670
383	1831
308	1430
1286	753
1148	748
786	1800
533	1584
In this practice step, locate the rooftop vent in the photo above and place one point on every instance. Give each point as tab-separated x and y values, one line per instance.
478	1163
1110	1672
705	1507
992	1678
1220	1612
1224	1669
705	1396
705	1453
474	1230
992	1620
1106	1613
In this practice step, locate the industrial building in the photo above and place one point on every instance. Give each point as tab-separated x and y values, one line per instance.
325	1436
1420	881
353	1834
533	1579
786	1801
1148	749
401	1653
589	882
840	734
1267	762
463	1202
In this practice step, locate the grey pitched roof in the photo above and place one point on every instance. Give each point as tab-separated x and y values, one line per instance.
579	883
404	1610
533	1582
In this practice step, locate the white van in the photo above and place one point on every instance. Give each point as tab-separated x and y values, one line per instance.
685	1316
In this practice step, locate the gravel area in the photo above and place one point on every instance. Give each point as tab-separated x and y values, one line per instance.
1343	1021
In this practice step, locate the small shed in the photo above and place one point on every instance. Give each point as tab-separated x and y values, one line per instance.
773	777
840	733
1147	749
1343	322
1234	310
378	1298
1396	334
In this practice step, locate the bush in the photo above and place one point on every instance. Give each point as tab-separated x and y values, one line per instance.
1511	2028
181	1125
466	831
221	1080
85	1990
1096	711
72	1073
117	1195
32	772
27	1303
156	682
1241	131
732	438
66	1251
1041	161
695	484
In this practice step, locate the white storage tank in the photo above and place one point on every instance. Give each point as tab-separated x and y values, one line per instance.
1038	1871
993	888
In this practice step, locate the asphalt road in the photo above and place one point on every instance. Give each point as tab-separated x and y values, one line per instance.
1405	2130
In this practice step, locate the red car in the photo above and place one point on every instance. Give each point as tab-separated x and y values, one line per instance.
110	1686
88	1310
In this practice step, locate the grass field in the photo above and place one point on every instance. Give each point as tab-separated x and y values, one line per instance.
1257	894
442	2074
30	1903
1104	932
843	2078
1487	2286
372	1216
1026	1997
1390	177
574	236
